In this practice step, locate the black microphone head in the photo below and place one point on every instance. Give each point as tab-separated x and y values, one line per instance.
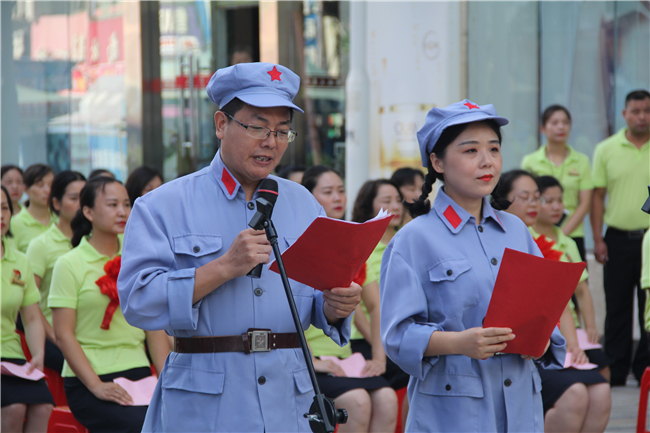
268	190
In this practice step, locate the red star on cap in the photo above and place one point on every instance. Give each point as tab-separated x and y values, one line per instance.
468	104
275	74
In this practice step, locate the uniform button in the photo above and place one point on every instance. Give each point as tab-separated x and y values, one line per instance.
494	261
196	249
261	380
258	292
250	205
449	272
507	382
448	387
480	229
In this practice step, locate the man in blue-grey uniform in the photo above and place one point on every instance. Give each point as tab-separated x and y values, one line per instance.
236	363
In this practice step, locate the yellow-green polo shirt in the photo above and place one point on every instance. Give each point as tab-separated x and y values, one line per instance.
43	252
567	246
645	266
119	348
25	228
574	174
624	170
373	266
321	345
18	290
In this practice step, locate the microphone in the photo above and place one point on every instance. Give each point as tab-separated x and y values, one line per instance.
267	194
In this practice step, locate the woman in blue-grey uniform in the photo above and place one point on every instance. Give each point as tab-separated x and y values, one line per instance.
437	277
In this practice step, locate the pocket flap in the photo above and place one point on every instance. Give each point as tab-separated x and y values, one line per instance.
303	382
452	385
197	245
449	270
188	379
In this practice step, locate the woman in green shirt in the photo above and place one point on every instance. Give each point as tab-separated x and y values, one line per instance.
97	342
12	179
45	249
369	400
26	404
35	218
570	167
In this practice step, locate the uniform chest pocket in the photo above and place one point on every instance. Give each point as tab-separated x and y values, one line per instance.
195	246
456	283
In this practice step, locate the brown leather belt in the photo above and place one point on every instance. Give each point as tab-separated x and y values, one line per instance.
254	340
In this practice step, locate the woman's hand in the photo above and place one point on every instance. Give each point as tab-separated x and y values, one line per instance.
111	391
37	363
482	343
328	366
578	356
592	335
373	368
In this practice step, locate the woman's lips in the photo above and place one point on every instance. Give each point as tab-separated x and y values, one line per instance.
486	178
532	214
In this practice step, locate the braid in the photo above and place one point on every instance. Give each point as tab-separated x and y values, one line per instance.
422	205
81	227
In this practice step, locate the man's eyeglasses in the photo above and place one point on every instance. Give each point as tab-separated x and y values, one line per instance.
261	132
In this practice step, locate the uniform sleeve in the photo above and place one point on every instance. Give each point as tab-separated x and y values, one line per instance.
63	289
36	257
152	295
32	295
405	332
340	332
600	169
586	181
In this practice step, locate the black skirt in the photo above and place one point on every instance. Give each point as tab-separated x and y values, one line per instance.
18	390
333	386
598	357
395	376
555	382
101	415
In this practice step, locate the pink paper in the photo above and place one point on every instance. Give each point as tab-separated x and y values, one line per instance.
140	391
585	366
352	365
583	341
11	369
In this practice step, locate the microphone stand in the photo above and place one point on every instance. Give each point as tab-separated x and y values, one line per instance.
322	416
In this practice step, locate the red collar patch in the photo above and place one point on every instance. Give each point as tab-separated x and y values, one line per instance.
470	105
228	181
275	74
452	217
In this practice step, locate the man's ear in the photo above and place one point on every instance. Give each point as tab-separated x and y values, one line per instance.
220	121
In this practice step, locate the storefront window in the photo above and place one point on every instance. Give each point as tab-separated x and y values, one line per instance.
68	73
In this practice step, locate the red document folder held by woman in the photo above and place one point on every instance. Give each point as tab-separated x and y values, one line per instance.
529	296
330	252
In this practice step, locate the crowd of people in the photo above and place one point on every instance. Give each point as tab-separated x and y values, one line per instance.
433	270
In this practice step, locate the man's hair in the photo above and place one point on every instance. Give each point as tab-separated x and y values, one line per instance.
637	95
237	104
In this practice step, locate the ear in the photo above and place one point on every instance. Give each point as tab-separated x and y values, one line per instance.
56	204
88	213
437	163
220	121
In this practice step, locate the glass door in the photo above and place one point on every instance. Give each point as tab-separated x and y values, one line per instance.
189	140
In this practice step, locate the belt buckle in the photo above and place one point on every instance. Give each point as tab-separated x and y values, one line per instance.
259	340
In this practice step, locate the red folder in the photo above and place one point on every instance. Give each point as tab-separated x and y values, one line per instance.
330	252
529	296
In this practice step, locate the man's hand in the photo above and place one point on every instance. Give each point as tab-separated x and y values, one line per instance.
340	302
249	249
600	251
